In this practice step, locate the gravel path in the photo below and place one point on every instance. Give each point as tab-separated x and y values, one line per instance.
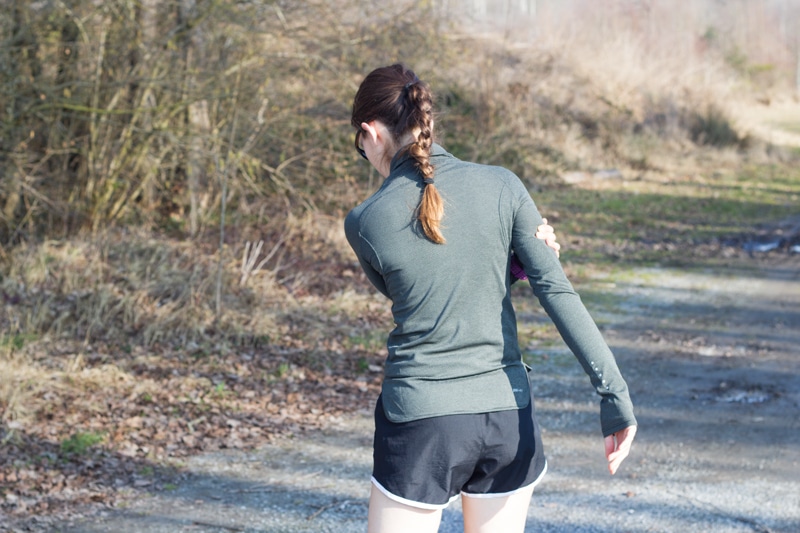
712	360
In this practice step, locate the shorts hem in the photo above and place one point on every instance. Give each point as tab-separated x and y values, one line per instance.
510	493
412	503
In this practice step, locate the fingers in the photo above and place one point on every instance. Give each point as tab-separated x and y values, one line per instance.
615	459
554	245
546	233
544	227
550	240
618	446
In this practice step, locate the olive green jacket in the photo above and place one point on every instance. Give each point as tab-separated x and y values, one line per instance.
454	346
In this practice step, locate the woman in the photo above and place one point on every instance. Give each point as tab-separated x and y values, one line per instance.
455	415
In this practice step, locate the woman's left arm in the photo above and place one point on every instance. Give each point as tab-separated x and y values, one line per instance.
576	326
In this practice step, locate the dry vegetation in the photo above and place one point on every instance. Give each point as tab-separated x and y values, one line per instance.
174	176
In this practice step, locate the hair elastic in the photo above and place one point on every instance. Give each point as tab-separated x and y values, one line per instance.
428	181
409	84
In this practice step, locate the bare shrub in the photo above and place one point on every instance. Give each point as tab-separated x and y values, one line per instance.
20	380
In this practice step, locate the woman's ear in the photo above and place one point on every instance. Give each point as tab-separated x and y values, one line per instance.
377	149
370	128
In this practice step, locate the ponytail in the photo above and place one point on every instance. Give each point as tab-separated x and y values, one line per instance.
431	206
395	96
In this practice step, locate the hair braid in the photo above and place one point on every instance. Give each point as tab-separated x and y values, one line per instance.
395	96
420	120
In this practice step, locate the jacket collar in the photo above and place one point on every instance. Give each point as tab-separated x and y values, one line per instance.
403	161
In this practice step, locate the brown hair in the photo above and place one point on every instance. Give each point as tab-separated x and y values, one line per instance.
403	103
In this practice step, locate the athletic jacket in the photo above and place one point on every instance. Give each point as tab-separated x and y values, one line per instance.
454	346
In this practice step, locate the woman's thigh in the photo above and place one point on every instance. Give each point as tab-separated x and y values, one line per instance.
496	513
389	516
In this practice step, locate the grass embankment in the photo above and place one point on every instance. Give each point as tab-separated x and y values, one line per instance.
701	220
115	363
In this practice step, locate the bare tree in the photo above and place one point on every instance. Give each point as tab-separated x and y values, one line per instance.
198	121
24	70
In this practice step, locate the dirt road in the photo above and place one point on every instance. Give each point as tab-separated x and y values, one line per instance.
712	360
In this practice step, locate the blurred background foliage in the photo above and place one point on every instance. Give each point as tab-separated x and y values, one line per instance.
135	112
146	146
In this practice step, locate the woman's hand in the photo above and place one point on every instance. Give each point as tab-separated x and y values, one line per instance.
544	232
548	235
618	446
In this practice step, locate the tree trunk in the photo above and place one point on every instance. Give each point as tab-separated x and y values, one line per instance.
26	69
198	121
148	17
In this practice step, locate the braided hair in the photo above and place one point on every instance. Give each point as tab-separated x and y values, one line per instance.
395	96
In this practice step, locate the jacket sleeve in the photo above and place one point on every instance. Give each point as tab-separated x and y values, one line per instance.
574	324
359	245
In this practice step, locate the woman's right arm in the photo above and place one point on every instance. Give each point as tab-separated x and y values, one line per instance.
546	233
360	247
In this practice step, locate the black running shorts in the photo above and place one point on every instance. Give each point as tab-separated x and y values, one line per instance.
427	463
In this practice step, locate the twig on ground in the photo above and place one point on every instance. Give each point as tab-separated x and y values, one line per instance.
210	524
324	508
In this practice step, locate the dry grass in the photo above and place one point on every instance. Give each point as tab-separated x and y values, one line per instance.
115	363
19	383
122	285
626	85
132	292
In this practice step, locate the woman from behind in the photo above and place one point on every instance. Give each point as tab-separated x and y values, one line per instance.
455	416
